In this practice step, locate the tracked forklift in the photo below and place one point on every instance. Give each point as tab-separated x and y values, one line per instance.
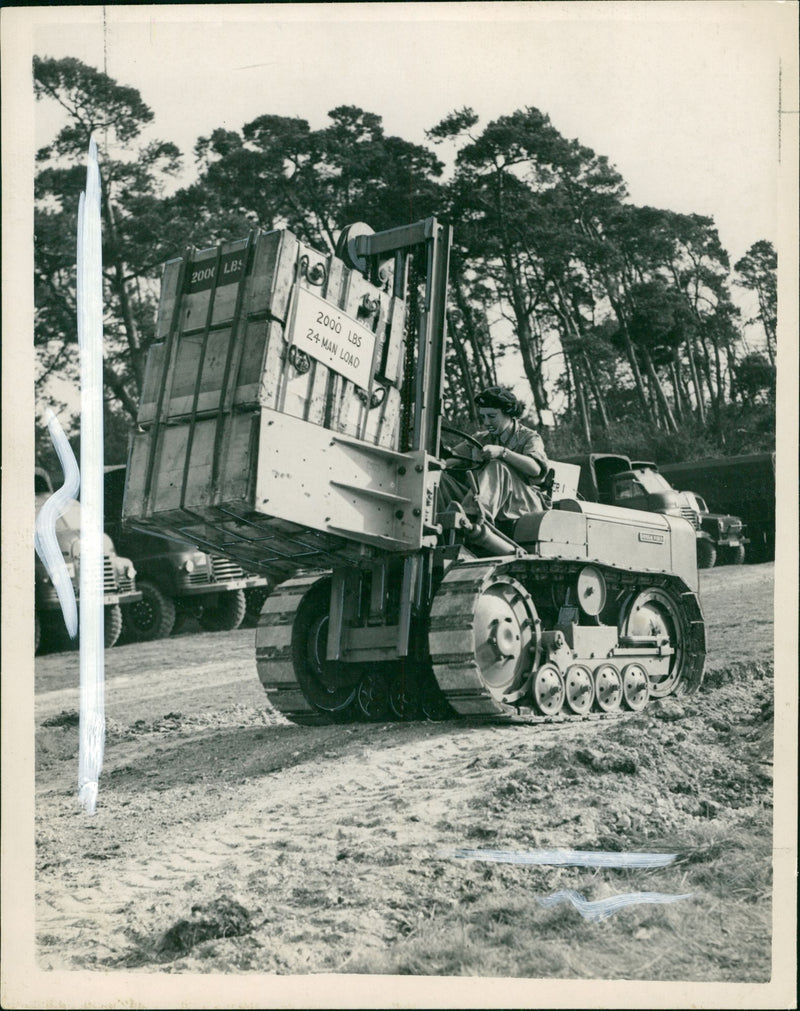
291	421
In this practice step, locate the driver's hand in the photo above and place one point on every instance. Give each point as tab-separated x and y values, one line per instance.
492	452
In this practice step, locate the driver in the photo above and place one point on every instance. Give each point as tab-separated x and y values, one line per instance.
512	461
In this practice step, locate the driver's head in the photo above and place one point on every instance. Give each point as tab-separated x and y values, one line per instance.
498	398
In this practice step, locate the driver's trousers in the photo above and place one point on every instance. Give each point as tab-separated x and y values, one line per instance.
503	493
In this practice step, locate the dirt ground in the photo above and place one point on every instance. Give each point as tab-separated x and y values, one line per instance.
229	841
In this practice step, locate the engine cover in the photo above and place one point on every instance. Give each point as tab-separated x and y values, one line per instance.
623	538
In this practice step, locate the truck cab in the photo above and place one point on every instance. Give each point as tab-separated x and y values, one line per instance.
178	579
119	574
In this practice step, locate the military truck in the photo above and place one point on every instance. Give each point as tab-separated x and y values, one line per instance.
291	421
617	480
119	575
178	580
744	485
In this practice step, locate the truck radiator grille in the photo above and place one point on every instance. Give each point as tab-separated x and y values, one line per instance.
125	585
109	582
690	515
224	569
198	578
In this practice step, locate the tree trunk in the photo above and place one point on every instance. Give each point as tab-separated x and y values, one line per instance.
118	285
630	353
480	364
658	390
582	408
676	389
117	387
701	411
597	392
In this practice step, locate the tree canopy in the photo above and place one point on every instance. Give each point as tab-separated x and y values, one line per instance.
617	316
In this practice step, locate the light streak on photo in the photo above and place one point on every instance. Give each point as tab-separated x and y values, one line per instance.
44	539
90	339
601	909
567	858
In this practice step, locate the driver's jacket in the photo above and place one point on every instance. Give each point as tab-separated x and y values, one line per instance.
503	491
518	439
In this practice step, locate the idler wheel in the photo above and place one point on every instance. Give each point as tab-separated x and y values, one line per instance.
329	686
579	689
548	689
657	614
635	687
608	688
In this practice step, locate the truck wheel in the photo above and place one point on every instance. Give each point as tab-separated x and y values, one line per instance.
112	625
706	555
153	616
736	555
228	613
254	601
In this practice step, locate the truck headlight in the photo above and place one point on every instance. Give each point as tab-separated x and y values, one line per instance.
130	572
188	565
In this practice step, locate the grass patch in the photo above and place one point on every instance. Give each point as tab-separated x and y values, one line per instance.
221	918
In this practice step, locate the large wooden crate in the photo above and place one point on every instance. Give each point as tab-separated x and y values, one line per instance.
272	412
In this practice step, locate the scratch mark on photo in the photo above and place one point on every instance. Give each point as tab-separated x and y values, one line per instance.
601	909
566	858
90	340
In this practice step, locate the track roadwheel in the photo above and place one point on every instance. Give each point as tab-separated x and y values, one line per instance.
329	686
548	689
153	616
608	688
112	625
226	615
579	686
635	687
706	555
373	696
404	699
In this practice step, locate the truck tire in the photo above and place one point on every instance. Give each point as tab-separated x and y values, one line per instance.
736	555
706	554
112	625
153	616
228	613
254	601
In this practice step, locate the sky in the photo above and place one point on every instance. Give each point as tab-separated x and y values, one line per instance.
682	97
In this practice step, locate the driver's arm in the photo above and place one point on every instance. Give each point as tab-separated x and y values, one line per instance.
464	449
526	464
